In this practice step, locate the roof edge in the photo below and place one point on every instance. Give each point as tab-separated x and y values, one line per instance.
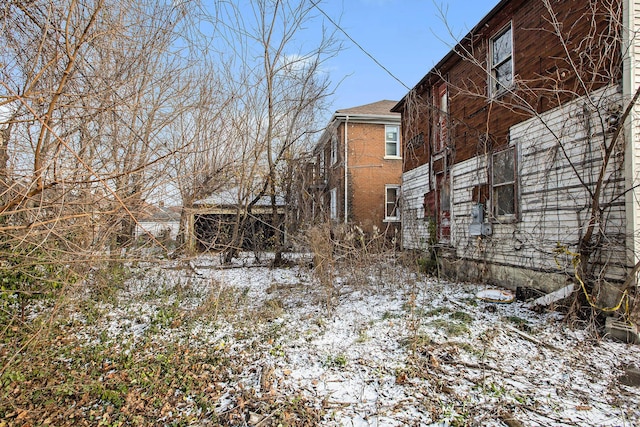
396	108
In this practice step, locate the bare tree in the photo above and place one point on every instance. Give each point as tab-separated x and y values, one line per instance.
91	92
289	88
207	147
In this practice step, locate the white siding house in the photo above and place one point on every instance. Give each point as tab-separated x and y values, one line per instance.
528	170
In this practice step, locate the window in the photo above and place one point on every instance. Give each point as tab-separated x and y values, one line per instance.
334	150
322	167
391	203
504	183
334	203
392	146
441	117
501	62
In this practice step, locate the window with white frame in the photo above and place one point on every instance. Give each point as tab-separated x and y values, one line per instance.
333	203
334	150
391	203
504	183
392	141
501	47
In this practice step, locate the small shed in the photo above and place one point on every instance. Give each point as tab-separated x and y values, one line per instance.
215	218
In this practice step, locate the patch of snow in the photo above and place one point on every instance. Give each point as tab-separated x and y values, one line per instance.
352	352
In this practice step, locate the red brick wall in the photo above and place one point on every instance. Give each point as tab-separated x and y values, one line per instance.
542	69
369	172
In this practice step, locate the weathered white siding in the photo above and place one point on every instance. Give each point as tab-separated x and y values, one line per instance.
464	177
415	183
558	159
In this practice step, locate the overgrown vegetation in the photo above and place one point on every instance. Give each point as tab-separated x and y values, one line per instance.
61	366
98	124
181	346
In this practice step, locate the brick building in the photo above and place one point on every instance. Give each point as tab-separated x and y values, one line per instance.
355	174
515	159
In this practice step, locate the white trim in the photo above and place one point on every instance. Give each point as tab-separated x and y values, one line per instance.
334	150
333	203
493	92
397	188
507	217
387	141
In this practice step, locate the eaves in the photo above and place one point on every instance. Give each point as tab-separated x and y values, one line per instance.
453	53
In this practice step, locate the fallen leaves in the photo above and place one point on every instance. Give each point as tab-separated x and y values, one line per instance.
147	360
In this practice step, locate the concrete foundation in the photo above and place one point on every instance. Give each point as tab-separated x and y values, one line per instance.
505	276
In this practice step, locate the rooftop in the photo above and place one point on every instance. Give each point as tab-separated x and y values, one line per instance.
379	108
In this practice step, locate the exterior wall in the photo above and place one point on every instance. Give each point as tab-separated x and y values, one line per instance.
369	172
553	204
631	81
415	232
476	125
334	165
555	115
321	176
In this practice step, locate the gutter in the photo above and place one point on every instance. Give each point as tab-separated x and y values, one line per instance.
367	118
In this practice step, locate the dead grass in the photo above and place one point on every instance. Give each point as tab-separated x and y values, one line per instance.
321	243
67	378
201	357
221	301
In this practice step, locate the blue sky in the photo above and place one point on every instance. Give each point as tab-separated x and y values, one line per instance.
407	36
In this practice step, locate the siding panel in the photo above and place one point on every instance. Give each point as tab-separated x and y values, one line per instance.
553	204
414	229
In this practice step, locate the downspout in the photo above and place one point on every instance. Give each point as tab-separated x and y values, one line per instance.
629	84
346	165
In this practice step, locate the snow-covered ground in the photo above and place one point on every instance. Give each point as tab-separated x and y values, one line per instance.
381	346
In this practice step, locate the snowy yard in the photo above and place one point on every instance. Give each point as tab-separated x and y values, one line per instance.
204	345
